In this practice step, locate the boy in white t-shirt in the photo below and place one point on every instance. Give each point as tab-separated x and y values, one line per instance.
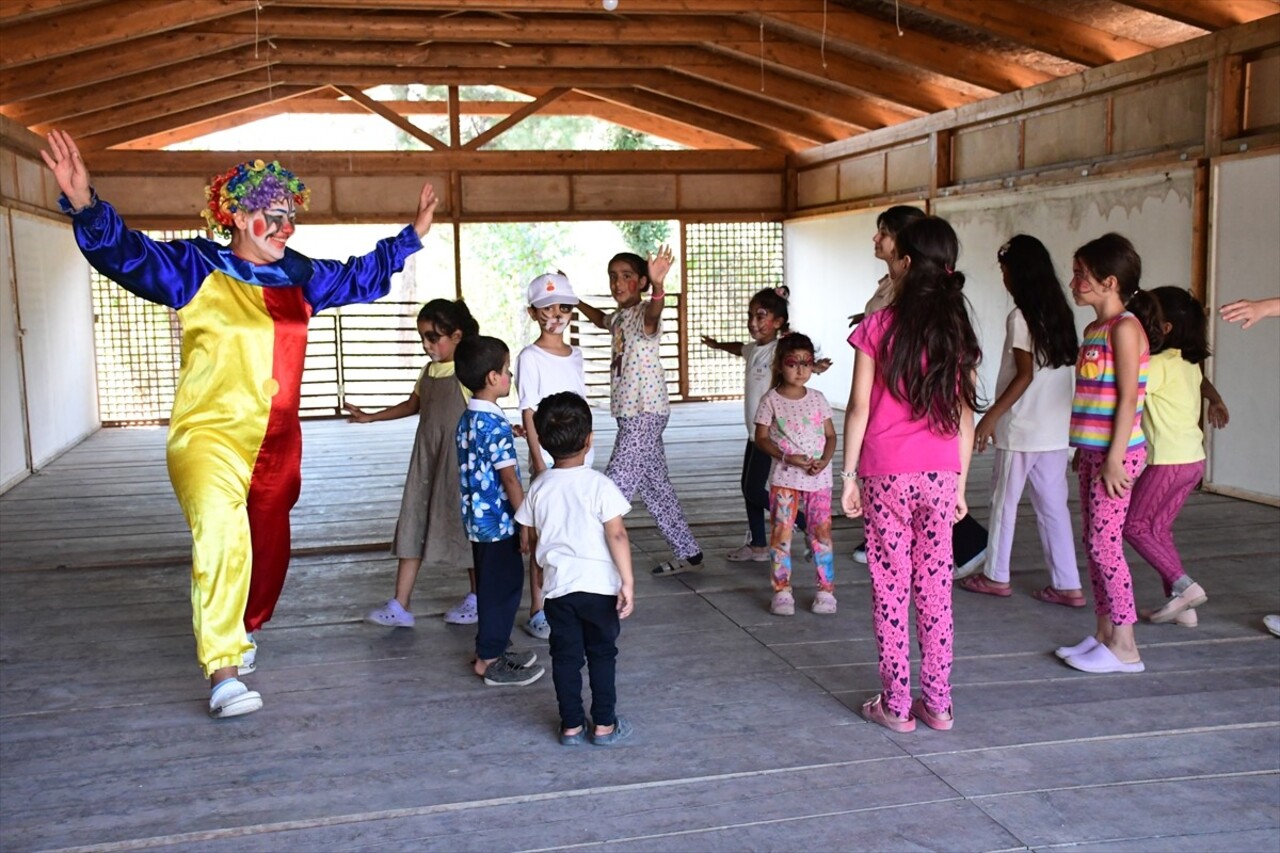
585	556
547	366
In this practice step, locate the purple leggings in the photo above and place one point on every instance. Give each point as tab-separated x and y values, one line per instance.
908	526
1158	497
1103	518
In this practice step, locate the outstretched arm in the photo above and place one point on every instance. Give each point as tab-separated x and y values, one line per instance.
63	159
731	347
403	409
1250	310
594	315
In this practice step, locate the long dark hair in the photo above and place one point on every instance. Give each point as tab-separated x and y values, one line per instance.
449	316
1113	255
930	353
1038	295
894	219
789	345
774	300
1188	324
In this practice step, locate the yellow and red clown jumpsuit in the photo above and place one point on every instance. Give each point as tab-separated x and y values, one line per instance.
235	445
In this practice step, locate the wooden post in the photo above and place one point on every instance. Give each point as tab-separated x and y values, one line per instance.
682	319
455	118
1200	231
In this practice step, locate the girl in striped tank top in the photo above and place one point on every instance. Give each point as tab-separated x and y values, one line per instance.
1106	430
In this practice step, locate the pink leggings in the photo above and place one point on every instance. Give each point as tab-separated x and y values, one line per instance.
1158	497
908	526
1103	520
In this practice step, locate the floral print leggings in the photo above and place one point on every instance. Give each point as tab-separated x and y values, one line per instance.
908	527
785	505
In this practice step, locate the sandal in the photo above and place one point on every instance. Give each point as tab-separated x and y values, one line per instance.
875	711
921	712
673	567
1049	595
982	584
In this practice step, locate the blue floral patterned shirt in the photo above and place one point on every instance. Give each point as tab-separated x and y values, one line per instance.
485	447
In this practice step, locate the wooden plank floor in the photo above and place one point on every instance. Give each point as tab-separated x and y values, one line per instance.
746	739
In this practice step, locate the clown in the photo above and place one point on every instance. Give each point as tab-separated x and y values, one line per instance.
235	444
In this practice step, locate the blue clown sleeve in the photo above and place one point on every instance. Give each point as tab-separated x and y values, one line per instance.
361	279
167	273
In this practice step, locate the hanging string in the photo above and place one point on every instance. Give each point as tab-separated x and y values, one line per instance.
897	19
257	7
823	49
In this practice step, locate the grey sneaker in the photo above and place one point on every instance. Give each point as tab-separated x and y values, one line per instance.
503	673
621	731
522	660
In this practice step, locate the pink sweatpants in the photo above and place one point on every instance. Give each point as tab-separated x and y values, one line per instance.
1103	518
1158	497
908	527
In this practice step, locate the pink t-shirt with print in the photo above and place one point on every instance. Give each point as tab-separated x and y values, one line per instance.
797	426
894	443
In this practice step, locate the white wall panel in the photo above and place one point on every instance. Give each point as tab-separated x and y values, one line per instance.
56	306
13	429
1245	264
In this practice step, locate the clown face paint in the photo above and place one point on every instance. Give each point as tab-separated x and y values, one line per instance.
269	230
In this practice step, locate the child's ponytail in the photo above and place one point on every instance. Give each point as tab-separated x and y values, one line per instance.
1188	324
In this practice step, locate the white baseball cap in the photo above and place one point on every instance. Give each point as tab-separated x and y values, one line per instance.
551	289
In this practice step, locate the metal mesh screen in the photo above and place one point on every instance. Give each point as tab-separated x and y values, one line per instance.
725	264
139	347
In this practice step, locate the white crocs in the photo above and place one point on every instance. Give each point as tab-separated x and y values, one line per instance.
232	698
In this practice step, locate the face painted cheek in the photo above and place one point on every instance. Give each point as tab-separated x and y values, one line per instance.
556	324
258	227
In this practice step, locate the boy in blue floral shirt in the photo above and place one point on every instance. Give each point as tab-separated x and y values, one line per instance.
491	494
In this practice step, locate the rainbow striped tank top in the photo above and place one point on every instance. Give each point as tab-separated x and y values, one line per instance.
1093	409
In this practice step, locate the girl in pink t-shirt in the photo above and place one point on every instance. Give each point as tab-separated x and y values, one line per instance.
793	426
907	442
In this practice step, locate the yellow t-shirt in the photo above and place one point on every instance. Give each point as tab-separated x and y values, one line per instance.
439	370
1171	417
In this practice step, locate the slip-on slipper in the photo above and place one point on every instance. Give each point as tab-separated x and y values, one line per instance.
1049	595
980	583
875	710
921	712
622	730
1101	659
1064	652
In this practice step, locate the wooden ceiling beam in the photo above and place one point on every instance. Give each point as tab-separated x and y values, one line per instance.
395	118
17	11
871	35
107	25
180	100
843	70
1037	29
589	7
736	104
583	103
1208	14
422	28
783	88
174	120
735	128
524	111
136	87
204	163
145	55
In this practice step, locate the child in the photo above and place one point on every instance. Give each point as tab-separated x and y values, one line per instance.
1175	449
888	224
1106	430
428	527
793	427
909	437
1028	423
586	560
639	401
544	367
489	473
767	316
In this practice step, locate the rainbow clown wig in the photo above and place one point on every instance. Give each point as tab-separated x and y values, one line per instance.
249	187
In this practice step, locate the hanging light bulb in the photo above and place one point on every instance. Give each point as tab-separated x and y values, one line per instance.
609	5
